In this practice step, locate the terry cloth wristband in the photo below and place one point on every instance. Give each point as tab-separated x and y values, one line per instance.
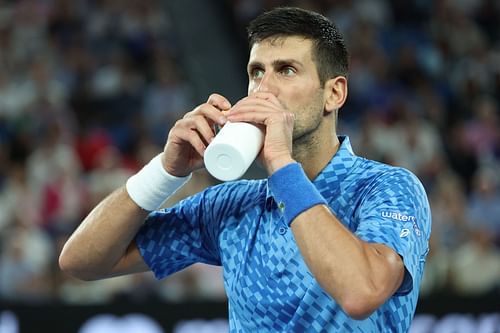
293	191
153	185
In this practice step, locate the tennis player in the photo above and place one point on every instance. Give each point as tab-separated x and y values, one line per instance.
329	242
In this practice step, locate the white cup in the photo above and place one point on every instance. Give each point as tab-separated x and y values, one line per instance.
233	150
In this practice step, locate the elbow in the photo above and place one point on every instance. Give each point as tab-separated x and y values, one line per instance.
65	261
358	308
357	303
360	304
69	264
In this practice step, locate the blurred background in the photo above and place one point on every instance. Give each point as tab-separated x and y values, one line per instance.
89	90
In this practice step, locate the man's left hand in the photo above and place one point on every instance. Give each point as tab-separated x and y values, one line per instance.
264	109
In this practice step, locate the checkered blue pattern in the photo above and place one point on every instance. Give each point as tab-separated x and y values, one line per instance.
239	226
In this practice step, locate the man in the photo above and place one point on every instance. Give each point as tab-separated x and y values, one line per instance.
329	242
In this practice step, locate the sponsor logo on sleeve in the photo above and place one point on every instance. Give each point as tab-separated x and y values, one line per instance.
417	229
398	216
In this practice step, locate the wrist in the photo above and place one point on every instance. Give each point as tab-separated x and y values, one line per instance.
172	171
153	185
278	163
293	191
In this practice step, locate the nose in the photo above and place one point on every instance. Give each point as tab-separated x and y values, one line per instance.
266	84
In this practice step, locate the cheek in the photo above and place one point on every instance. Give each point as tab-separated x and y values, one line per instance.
310	108
303	99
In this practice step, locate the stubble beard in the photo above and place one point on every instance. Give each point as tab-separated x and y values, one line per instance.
306	134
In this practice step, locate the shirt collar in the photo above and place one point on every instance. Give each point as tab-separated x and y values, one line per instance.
335	171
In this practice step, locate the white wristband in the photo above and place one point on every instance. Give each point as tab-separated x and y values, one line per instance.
153	185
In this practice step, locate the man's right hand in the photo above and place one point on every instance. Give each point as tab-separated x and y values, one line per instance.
190	136
117	219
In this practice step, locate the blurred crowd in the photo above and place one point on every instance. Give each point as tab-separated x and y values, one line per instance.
89	90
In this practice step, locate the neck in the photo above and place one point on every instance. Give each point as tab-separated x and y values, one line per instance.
315	151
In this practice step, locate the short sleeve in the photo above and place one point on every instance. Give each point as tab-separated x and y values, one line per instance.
174	238
395	212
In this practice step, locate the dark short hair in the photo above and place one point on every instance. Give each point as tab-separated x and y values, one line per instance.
329	49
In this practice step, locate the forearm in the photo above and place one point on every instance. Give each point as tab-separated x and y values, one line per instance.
359	275
102	239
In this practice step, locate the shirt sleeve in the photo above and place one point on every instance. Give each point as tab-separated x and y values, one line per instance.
396	212
174	238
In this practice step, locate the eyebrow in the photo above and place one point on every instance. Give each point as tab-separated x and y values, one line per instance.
276	63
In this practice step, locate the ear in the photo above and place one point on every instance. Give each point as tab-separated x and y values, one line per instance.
335	93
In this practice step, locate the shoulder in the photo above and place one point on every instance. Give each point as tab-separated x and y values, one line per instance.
396	188
214	204
226	198
382	182
390	177
230	200
240	191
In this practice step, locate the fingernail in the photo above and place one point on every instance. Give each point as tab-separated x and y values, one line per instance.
222	120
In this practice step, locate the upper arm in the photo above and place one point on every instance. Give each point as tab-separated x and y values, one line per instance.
388	266
175	238
130	262
188	233
395	215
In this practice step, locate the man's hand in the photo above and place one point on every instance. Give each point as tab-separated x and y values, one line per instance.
190	136
264	109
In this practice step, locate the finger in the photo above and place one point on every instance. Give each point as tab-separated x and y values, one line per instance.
219	101
211	113
254	99
250	102
266	96
262	117
194	140
200	124
253	106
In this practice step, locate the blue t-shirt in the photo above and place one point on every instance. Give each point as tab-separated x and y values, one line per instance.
269	287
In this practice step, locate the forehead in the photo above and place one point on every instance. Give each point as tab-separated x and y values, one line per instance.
294	47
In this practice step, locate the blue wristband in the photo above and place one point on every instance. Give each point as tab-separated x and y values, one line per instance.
293	191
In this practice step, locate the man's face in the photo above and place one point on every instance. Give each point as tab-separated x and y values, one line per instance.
285	68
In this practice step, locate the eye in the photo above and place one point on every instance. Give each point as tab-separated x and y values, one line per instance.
288	71
256	73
